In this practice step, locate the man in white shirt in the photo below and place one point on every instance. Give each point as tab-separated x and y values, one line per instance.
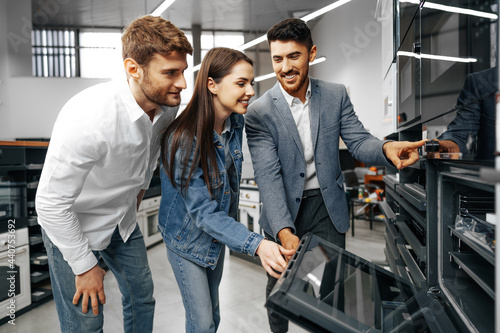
103	151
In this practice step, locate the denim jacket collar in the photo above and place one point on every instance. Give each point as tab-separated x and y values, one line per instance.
236	123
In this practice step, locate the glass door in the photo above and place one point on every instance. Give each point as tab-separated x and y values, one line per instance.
327	289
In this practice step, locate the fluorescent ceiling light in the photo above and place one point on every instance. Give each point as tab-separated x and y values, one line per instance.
196	68
435	57
162	7
317	61
271	75
453	9
252	43
324	10
264	77
306	18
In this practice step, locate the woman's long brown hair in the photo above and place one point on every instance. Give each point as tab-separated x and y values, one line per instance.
197	121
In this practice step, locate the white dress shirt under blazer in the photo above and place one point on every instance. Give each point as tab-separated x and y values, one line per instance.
103	151
302	116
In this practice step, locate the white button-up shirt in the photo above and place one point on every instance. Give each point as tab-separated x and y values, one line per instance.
302	116
103	151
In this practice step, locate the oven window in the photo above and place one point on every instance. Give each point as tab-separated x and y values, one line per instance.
337	288
152	224
12	193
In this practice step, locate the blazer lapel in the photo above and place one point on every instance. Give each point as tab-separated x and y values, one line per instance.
284	110
314	107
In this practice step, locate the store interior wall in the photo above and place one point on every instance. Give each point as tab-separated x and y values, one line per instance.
350	38
3	64
29	105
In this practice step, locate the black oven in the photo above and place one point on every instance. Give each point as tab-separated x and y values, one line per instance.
327	289
12	196
408	66
452	46
439	44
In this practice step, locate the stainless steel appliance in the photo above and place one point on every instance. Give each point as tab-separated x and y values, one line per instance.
250	207
12	193
147	218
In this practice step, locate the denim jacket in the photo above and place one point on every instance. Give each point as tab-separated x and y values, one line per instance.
193	224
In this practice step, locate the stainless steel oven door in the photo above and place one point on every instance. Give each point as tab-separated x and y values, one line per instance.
151	233
248	214
147	217
249	209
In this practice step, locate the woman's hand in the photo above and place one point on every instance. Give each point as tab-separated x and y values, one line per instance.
271	257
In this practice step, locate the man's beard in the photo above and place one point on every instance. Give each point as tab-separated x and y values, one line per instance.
293	89
156	96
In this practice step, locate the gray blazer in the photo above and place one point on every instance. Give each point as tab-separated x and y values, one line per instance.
278	159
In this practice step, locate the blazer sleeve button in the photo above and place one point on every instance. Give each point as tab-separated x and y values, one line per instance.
302	174
297	200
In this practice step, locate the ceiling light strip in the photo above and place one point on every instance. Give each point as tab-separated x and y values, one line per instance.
162	7
305	18
264	77
452	9
252	43
435	57
324	10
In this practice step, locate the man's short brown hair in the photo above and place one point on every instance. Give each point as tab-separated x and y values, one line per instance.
291	29
148	35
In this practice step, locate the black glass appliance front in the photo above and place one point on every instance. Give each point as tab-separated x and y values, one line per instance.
327	289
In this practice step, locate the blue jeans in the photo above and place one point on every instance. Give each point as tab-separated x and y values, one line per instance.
129	264
199	288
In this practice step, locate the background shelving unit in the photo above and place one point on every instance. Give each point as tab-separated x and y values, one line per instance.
26	158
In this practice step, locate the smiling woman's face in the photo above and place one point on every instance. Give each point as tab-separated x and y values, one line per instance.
233	92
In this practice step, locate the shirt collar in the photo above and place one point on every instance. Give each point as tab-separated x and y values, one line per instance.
290	99
226	131
227	126
129	103
159	112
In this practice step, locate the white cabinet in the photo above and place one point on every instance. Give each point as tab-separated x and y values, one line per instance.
147	218
249	208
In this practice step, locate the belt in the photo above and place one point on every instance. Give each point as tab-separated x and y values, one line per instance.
311	193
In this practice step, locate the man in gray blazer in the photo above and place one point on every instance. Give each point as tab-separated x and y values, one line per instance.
293	133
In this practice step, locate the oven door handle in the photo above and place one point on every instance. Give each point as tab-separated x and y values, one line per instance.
248	206
17	252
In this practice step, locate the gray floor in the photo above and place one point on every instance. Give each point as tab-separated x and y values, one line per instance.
241	293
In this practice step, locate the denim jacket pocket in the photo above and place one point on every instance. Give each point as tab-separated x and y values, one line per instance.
186	229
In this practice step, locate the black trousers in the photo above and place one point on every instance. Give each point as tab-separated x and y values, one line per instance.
312	217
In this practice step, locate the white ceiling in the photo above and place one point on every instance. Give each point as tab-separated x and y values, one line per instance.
237	15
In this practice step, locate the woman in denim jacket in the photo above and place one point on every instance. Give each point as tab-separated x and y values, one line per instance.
200	177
